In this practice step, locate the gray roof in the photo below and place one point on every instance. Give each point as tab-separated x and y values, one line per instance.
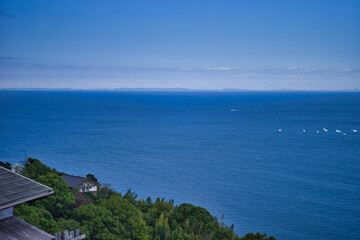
74	181
16	189
14	228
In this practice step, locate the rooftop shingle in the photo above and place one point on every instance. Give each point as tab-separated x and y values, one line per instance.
73	181
16	189
14	228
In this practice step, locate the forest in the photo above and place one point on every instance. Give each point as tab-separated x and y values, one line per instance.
111	215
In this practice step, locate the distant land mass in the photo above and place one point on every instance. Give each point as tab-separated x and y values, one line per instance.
175	90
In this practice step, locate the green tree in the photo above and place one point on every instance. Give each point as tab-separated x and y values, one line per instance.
257	236
61	201
144	206
127	217
96	222
38	217
5	165
35	168
67	224
161	206
105	192
195	219
162	228
131	197
177	234
91	177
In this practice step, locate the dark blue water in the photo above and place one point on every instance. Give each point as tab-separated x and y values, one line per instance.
190	147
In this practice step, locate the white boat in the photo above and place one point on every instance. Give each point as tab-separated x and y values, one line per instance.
325	130
338	131
304	130
280	130
354	130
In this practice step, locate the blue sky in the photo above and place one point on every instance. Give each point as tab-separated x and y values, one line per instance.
248	44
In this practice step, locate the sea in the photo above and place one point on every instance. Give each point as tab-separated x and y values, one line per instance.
284	163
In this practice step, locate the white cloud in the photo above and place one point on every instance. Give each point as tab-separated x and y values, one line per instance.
219	69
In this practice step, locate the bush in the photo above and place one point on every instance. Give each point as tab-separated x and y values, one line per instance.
61	201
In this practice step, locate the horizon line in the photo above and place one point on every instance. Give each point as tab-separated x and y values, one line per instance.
177	90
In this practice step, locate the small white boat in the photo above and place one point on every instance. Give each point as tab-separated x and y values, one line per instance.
317	131
304	130
345	134
354	130
338	130
325	130
280	130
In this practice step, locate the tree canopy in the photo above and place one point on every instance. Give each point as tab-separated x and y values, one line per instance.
35	168
61	201
109	215
5	165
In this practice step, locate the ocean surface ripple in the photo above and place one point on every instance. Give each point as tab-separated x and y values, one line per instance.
219	150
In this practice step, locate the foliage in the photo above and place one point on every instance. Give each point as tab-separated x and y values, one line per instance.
67	224
81	198
91	177
131	196
60	202
38	217
111	216
257	236
5	165
96	221
34	168
127	217
195	220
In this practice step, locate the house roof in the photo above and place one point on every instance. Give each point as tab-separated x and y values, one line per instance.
14	228
16	189
74	181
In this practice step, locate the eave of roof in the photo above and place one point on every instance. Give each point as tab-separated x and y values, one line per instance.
74	181
16	189
15	228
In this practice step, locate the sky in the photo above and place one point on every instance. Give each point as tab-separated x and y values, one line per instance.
240	44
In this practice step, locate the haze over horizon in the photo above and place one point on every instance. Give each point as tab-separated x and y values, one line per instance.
254	45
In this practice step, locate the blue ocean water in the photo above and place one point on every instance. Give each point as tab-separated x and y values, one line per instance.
191	147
